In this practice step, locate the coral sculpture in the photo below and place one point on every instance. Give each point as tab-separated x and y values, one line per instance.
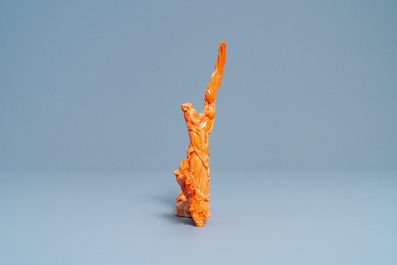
193	174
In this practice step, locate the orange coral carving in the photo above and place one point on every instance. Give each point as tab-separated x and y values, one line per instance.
193	174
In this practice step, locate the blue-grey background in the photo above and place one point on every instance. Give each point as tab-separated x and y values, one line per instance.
303	154
99	84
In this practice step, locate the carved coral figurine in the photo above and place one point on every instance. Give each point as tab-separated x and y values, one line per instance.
194	174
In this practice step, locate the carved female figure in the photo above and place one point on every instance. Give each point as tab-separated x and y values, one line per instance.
193	174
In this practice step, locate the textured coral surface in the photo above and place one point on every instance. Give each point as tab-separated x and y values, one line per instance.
193	174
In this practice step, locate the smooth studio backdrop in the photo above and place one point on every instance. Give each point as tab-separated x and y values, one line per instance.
303	153
99	84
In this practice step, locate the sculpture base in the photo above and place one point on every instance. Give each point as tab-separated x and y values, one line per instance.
182	209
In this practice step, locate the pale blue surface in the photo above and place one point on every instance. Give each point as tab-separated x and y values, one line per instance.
263	217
